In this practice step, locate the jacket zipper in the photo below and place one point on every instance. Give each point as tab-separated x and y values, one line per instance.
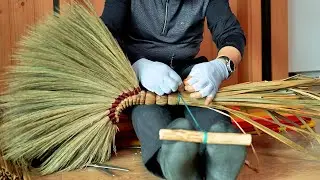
165	18
171	61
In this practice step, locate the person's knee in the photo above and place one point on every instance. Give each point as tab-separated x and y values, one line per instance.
155	115
180	123
149	110
147	120
222	126
207	117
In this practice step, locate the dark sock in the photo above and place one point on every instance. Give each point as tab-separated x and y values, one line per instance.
224	162
179	160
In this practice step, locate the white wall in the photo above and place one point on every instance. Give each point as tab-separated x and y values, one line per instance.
304	36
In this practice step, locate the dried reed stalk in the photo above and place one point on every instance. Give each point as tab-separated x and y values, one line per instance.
9	171
71	81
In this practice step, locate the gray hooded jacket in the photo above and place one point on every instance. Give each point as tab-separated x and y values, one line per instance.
166	30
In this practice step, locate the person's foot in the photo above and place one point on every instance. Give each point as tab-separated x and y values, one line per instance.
179	160
224	162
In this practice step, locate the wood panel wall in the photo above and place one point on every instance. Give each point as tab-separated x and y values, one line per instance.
15	17
5	35
249	14
279	39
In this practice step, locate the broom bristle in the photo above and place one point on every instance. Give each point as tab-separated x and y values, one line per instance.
10	171
69	70
71	80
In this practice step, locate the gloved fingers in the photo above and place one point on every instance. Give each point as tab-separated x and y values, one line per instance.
185	81
208	100
192	80
211	96
171	84
165	87
195	84
200	85
158	90
203	92
175	77
213	93
206	91
188	84
181	87
195	70
189	88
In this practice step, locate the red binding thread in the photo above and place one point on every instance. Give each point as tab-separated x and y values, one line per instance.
118	100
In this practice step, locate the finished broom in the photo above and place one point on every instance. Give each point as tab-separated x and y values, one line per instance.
71	81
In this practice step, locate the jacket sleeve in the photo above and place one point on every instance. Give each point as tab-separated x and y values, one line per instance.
114	16
224	26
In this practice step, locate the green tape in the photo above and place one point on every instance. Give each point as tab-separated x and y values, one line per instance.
205	137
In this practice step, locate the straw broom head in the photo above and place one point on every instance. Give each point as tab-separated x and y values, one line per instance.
71	80
69	70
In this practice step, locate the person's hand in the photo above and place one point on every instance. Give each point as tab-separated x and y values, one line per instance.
157	77
205	78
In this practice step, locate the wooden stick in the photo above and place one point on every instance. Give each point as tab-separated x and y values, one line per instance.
198	137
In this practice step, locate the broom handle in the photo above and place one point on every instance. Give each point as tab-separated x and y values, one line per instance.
198	137
150	98
170	99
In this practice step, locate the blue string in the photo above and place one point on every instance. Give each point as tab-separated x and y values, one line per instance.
205	134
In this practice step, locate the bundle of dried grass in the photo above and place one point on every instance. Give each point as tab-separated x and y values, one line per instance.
9	171
72	80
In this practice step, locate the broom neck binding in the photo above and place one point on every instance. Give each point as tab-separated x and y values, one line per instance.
142	97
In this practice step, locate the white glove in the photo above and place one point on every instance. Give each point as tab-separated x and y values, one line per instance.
205	78
157	77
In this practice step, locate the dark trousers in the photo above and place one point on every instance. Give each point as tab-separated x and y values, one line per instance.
149	119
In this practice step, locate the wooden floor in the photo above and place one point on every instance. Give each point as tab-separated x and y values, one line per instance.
277	162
